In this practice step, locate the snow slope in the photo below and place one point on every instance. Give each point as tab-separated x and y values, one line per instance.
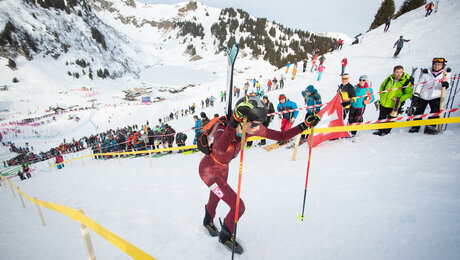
392	197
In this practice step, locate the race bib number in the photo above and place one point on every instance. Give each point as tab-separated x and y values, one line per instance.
216	189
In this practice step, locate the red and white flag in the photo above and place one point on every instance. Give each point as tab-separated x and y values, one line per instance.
331	115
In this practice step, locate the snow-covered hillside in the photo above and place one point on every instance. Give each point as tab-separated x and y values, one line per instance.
369	197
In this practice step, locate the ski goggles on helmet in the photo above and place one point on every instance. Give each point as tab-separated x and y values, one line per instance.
282	96
439	60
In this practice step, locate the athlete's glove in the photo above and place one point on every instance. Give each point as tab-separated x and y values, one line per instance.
424	71
311	120
445	84
242	110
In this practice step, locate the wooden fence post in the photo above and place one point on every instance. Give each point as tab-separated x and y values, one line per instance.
22	200
40	213
87	239
119	163
296	147
82	163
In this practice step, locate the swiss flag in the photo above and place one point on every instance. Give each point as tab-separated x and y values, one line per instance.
331	115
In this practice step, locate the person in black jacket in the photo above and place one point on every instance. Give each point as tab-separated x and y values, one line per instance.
270	109
387	24
348	94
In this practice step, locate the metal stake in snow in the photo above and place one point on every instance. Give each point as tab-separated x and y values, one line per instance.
231	55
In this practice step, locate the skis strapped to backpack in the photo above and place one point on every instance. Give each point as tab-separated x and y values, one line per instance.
205	136
231	55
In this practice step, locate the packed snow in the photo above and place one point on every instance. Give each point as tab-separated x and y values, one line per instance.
369	197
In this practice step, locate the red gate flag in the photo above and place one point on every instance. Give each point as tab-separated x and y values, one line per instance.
331	115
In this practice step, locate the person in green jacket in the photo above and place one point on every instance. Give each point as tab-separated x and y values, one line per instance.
397	85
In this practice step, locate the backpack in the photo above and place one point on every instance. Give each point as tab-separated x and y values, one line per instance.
205	136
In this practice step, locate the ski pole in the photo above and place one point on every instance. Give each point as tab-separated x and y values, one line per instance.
243	137
453	97
308	170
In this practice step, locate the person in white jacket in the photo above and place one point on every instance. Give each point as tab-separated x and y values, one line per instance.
428	91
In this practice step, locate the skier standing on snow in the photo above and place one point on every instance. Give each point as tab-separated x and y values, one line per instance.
204	119
270	109
269	85
313	65
214	167
397	85
246	86
294	72
429	9
347	91
287	119
399	44
358	107
387	24
312	98
275	83
282	82
196	128
428	91
320	71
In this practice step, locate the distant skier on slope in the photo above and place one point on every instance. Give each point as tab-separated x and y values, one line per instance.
387	24
399	44
429	8
214	167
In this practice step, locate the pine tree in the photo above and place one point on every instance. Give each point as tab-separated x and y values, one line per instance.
386	9
409	5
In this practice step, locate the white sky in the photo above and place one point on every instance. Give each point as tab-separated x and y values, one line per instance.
351	16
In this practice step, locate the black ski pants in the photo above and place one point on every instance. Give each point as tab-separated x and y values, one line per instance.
397	52
356	115
434	107
384	113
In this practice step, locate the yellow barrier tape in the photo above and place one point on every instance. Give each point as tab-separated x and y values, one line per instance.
317	130
435	121
117	241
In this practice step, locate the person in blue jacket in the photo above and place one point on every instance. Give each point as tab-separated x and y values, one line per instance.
196	127
364	96
312	98
287	118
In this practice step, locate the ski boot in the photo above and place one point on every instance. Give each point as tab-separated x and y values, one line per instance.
209	224
430	130
227	238
414	129
378	132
